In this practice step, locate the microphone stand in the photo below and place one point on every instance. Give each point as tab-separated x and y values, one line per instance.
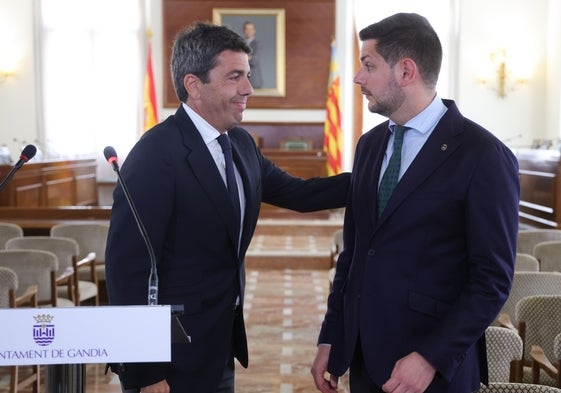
153	279
178	332
7	178
27	154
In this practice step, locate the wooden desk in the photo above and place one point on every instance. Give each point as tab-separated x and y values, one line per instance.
540	187
44	194
38	221
51	183
300	163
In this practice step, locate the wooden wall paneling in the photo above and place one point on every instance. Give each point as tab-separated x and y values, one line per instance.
86	184
37	221
24	189
27	192
273	133
86	190
59	188
540	189
51	184
310	26
303	164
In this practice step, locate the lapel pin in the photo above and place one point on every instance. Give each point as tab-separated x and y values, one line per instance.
443	147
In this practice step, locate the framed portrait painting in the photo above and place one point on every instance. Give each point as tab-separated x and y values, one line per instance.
264	30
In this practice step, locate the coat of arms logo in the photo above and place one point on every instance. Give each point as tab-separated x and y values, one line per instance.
43	329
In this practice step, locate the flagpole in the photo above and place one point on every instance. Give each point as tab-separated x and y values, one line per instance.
333	136
150	105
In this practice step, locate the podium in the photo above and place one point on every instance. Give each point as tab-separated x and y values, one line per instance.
65	339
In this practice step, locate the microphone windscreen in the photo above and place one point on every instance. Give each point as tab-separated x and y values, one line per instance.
28	152
110	154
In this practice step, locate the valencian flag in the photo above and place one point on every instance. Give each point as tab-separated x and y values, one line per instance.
332	134
150	107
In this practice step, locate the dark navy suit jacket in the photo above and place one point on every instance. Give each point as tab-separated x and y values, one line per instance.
434	271
185	207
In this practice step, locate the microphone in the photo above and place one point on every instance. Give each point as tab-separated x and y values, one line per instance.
178	332
27	154
111	157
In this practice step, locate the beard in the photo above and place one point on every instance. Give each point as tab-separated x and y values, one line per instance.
389	100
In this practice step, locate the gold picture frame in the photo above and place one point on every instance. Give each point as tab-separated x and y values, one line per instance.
269	69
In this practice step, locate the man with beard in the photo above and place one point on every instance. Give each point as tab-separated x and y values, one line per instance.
429	233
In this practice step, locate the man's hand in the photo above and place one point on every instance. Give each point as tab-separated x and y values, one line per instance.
412	374
325	382
158	387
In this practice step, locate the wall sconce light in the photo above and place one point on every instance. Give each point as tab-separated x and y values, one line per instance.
5	74
9	63
501	76
10	49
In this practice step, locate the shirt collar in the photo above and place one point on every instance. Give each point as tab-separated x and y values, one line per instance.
427	119
208	132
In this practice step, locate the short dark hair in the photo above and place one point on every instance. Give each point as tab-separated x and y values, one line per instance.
407	35
195	50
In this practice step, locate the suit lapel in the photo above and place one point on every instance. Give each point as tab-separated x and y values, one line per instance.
204	170
439	146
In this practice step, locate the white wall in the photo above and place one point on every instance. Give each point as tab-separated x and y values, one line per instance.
528	30
553	71
520	27
531	25
18	105
438	12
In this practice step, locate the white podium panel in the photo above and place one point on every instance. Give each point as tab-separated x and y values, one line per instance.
76	335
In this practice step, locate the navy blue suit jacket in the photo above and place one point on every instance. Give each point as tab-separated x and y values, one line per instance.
434	271
185	207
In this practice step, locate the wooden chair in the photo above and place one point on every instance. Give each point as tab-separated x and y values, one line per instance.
92	238
527	284
8	231
37	267
548	254
9	299
504	354
526	263
540	361
67	251
527	239
538	324
502	387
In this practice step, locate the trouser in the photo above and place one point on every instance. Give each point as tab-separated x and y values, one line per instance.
359	380
134	390
227	384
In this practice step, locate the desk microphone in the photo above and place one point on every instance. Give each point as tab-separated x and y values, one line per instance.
111	157
27	154
178	333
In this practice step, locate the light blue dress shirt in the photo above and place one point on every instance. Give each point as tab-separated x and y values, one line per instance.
420	128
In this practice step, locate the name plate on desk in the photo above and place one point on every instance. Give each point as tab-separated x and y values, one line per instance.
77	335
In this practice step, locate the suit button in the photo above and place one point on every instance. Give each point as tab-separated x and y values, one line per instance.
371	252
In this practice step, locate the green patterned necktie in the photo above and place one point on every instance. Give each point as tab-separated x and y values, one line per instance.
391	175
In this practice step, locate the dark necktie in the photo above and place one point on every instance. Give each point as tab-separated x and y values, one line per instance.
391	175
230	175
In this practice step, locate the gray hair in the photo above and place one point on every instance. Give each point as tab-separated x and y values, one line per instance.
196	49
